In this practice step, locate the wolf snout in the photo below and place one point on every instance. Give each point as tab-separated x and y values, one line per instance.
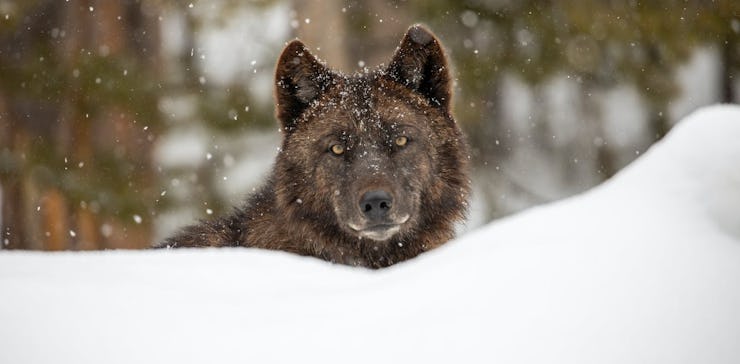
376	205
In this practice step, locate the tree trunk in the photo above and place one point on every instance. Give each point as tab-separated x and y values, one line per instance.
351	35
658	122
729	61
54	220
13	236
320	26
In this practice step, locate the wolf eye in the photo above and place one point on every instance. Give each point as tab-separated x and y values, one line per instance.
337	149
401	141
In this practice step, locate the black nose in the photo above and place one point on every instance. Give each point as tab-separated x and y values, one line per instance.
376	204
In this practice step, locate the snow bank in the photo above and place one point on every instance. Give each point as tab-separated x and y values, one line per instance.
645	268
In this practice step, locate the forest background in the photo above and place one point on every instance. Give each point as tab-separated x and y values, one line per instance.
122	120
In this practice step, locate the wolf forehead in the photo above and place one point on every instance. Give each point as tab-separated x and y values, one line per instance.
367	101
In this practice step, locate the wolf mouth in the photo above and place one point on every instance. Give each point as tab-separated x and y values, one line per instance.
378	232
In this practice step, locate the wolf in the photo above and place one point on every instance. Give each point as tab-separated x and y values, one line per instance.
373	168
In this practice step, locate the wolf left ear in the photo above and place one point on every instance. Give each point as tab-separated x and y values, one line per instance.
420	64
299	79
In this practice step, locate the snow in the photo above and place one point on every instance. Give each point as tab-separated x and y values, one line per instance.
642	269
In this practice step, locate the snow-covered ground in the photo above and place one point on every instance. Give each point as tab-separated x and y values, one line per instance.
642	269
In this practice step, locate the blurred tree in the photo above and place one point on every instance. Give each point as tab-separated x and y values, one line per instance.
596	44
85	83
79	109
221	111
718	22
351	35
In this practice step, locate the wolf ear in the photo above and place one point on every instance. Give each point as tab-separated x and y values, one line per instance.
299	79
420	64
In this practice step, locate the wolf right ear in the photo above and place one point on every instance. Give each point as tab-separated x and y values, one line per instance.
420	64
299	79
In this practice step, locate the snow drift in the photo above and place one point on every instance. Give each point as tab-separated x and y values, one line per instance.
644	268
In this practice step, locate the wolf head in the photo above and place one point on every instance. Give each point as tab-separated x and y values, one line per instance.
375	156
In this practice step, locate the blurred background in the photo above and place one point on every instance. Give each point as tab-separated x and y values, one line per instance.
122	120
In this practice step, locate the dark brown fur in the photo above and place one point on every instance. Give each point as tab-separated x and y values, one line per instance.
315	202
